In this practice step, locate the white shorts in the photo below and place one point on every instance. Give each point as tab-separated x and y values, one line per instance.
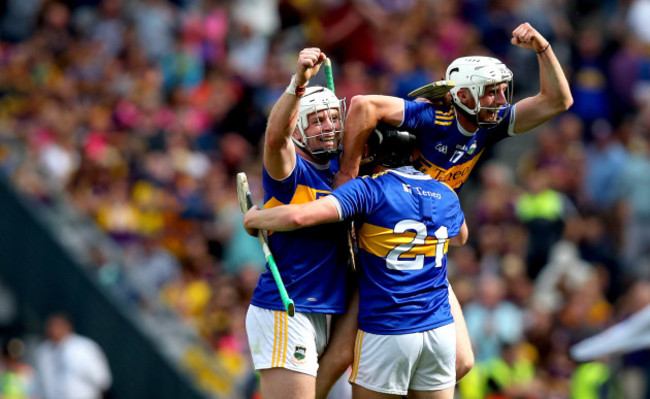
393	364
294	343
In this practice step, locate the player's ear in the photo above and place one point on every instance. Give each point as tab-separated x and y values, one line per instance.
462	94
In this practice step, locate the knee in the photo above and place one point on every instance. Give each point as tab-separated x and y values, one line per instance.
338	356
464	364
344	355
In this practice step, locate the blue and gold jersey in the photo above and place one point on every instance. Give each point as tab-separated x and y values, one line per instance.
311	261
403	219
448	152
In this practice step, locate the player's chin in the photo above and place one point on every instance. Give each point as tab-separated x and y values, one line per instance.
490	117
327	144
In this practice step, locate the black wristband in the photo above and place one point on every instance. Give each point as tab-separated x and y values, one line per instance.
545	48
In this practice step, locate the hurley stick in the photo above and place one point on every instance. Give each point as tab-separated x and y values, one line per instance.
328	74
434	91
329	78
245	203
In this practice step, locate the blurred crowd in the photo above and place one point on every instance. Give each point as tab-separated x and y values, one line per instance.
143	111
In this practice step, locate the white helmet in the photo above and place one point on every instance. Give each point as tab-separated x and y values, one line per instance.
475	73
315	99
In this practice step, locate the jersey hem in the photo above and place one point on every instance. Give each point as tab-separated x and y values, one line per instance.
300	309
438	324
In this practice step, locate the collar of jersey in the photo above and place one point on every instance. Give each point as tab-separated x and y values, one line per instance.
318	165
410	172
463	131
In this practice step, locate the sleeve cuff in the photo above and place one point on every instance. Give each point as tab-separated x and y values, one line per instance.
337	204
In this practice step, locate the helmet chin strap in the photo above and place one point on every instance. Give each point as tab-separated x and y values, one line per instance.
470	117
324	156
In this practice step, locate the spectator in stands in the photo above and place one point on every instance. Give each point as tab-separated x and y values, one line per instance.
147	148
543	211
492	321
69	365
17	378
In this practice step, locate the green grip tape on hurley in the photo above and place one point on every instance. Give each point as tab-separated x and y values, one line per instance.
284	296
328	74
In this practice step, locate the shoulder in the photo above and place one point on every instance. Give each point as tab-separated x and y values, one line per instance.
413	105
44	348
446	188
82	342
298	168
426	111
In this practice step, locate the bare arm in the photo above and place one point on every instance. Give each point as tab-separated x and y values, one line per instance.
291	217
461	238
554	96
279	150
364	113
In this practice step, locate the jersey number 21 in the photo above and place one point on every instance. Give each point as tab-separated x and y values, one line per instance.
392	259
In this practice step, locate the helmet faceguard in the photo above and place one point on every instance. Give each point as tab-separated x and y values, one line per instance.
314	100
475	74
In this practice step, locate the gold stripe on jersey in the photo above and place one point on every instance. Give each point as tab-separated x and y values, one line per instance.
357	356
379	241
449	113
445	118
454	176
442	123
376	175
302	195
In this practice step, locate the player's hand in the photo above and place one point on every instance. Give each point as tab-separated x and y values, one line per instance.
340	179
247	219
309	62
446	100
526	36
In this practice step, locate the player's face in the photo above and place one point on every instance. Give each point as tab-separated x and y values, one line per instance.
491	101
323	130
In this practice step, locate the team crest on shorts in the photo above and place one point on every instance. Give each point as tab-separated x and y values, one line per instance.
299	353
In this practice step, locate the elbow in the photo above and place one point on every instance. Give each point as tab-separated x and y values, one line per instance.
563	102
463	235
360	105
463	239
554	104
357	102
566	102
